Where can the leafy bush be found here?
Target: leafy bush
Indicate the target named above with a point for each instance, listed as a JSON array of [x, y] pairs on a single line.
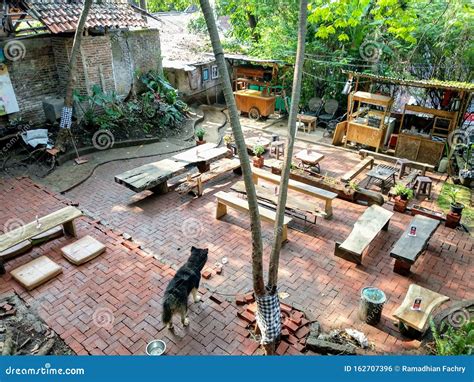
[[454, 341], [151, 113]]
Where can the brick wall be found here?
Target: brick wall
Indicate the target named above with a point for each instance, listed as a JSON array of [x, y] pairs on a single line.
[[43, 72]]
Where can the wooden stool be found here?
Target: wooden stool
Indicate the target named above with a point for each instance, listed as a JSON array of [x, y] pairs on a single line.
[[277, 148], [403, 164], [423, 183]]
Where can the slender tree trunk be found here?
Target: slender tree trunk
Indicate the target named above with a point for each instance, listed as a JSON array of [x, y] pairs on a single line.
[[76, 47], [283, 192], [255, 226]]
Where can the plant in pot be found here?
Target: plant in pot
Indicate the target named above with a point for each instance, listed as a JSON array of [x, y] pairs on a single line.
[[258, 161], [403, 195], [199, 133], [456, 207]]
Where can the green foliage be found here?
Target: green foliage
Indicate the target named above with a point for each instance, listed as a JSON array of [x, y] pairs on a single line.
[[452, 194], [168, 5], [454, 341], [199, 133], [258, 150], [404, 192], [153, 112]]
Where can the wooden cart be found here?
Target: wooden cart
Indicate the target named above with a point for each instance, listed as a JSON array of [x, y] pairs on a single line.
[[255, 103], [366, 125]]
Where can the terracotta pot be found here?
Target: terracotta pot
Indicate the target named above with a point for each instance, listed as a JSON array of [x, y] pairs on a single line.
[[199, 143], [400, 204], [258, 162], [452, 220]]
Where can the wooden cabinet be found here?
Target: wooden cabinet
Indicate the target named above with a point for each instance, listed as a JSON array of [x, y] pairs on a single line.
[[419, 149]]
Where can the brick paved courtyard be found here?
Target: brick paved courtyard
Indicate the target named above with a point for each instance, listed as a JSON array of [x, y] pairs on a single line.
[[112, 305]]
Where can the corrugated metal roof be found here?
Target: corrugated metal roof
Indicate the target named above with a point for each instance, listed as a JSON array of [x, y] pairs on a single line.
[[61, 16]]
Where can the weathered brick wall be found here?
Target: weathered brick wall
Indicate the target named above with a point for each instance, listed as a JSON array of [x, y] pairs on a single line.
[[44, 70], [34, 78]]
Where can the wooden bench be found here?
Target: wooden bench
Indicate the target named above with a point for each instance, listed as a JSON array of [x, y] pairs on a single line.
[[294, 185], [408, 248], [415, 165], [356, 170], [366, 228], [225, 200], [417, 319], [295, 206], [195, 182], [64, 217]]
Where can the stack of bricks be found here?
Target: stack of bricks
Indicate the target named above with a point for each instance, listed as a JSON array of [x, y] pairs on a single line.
[[295, 326]]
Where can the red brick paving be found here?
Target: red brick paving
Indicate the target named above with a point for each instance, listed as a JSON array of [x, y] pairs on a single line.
[[127, 283]]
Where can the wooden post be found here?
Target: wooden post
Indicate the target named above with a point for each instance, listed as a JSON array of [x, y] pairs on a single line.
[[221, 210], [70, 228]]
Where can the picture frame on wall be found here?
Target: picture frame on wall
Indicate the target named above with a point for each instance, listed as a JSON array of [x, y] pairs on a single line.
[[214, 72]]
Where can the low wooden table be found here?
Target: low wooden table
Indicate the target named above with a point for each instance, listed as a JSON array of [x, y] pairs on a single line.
[[308, 120], [408, 248], [417, 319], [253, 141], [309, 158], [382, 175]]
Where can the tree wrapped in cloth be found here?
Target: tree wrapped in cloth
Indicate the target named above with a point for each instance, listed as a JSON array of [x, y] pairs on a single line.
[[268, 305]]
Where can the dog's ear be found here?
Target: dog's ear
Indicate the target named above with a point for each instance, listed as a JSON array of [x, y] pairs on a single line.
[[193, 248], [205, 251]]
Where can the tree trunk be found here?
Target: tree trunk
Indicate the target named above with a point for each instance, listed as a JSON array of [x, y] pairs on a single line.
[[255, 226], [285, 174], [76, 46]]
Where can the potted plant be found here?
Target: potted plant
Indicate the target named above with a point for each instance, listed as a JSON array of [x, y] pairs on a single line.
[[402, 195], [456, 207], [258, 150], [199, 133]]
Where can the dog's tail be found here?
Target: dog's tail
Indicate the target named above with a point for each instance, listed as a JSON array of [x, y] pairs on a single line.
[[167, 314]]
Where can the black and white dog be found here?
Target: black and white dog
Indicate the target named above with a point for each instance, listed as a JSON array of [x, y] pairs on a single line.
[[185, 281]]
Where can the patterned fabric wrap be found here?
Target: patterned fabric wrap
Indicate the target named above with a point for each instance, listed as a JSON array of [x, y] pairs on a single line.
[[66, 118], [269, 317]]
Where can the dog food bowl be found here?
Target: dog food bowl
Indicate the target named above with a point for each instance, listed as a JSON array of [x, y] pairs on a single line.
[[156, 347]]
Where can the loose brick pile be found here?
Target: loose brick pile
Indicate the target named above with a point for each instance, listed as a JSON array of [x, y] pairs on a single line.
[[295, 326]]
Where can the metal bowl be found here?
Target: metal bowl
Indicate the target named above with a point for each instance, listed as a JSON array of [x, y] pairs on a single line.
[[156, 347]]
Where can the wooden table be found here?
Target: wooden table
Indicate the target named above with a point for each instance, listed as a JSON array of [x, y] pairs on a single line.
[[417, 319], [366, 228], [408, 248], [154, 176], [381, 175], [308, 120], [308, 159], [253, 141]]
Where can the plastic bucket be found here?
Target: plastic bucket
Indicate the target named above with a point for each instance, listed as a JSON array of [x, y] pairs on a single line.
[[371, 305]]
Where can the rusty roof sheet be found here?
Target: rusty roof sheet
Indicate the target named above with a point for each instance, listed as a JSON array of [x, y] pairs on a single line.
[[61, 16]]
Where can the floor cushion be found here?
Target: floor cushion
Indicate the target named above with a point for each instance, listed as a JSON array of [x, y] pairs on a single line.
[[36, 272], [83, 250]]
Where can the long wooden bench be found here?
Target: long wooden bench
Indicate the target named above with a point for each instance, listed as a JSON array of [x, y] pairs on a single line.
[[366, 228], [225, 200], [295, 206], [294, 185], [388, 158], [195, 182], [64, 217], [408, 248], [356, 170]]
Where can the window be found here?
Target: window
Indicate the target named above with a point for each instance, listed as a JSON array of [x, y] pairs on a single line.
[[214, 72], [205, 74]]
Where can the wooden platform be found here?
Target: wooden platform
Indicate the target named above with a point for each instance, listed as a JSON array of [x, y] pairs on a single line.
[[356, 170], [315, 192], [366, 228], [408, 248], [225, 200], [417, 319]]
